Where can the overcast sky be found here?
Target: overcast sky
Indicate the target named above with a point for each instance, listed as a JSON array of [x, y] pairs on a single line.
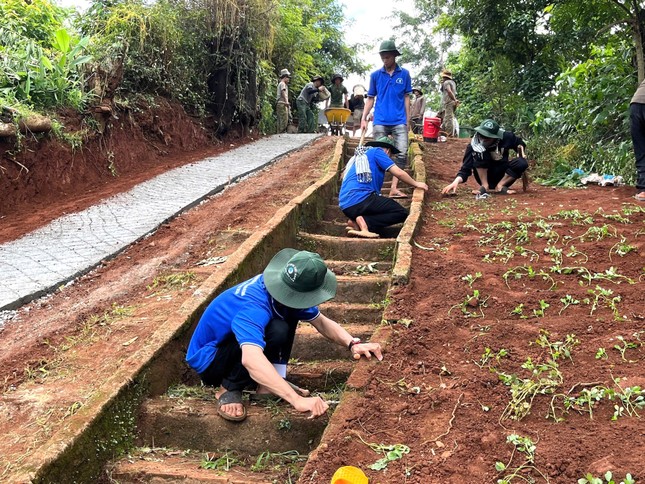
[[370, 24]]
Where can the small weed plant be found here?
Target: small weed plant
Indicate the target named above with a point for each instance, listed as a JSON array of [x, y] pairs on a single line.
[[525, 447], [472, 305], [609, 479]]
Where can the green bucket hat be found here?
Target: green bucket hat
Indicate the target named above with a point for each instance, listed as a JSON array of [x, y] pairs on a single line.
[[299, 279], [388, 46], [490, 129], [384, 142]]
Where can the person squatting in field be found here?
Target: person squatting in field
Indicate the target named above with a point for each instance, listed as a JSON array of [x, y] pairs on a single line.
[[244, 338], [487, 158]]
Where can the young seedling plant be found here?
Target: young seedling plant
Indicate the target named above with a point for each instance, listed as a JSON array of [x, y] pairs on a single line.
[[391, 452], [621, 248], [471, 306], [526, 447], [539, 313], [596, 234], [470, 279], [527, 271], [601, 295], [545, 377], [567, 301], [609, 479]]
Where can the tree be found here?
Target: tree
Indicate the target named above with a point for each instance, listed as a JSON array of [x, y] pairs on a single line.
[[582, 24]]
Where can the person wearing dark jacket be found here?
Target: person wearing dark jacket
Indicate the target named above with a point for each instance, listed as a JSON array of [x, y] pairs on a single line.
[[637, 122], [487, 159]]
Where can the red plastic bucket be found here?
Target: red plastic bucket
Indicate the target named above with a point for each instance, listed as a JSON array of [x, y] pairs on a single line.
[[431, 129]]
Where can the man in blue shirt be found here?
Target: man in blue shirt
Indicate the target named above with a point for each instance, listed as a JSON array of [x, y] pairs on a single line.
[[390, 88], [360, 193], [246, 333]]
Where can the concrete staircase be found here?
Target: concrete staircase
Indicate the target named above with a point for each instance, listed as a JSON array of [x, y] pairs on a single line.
[[182, 439]]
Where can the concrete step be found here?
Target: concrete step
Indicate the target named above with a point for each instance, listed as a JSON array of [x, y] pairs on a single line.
[[359, 267], [165, 466], [368, 289], [338, 228], [309, 344], [344, 248], [191, 423], [347, 313], [321, 375]]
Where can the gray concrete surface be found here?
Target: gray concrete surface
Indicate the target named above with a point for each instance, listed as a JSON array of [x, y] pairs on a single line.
[[53, 255]]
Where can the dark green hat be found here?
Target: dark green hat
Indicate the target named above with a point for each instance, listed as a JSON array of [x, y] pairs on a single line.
[[490, 129], [388, 46], [384, 142], [299, 279]]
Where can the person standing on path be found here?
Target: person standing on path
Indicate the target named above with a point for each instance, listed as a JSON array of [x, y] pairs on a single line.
[[283, 108], [637, 126], [487, 158], [338, 93], [312, 93], [390, 88], [416, 111], [449, 102], [360, 193], [356, 106], [246, 333]]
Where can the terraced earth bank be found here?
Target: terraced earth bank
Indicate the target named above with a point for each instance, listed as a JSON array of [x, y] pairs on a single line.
[[494, 366], [518, 352]]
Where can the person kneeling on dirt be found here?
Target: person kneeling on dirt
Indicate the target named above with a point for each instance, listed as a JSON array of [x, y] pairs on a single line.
[[245, 335], [487, 158], [360, 193]]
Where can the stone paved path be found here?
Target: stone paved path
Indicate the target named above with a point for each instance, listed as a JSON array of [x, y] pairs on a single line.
[[72, 245]]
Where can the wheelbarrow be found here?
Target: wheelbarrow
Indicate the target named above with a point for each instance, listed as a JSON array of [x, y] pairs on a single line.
[[337, 117]]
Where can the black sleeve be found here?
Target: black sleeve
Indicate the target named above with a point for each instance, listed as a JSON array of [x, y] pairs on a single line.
[[511, 141], [467, 165]]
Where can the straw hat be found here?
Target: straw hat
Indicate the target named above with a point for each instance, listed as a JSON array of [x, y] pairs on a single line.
[[446, 73], [358, 90]]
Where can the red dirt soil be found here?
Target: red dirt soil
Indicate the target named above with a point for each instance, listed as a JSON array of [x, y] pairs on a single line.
[[428, 393], [436, 393], [54, 348]]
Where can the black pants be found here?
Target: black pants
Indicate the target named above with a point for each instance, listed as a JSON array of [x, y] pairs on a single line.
[[497, 169], [227, 370], [637, 123], [378, 212]]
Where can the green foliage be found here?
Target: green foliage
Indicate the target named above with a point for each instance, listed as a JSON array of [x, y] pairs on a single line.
[[609, 479], [584, 123], [40, 61]]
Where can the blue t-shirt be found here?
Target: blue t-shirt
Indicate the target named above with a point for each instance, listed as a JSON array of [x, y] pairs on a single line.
[[352, 191], [390, 92], [244, 311]]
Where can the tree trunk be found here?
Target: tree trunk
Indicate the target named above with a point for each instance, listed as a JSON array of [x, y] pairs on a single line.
[[639, 39]]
